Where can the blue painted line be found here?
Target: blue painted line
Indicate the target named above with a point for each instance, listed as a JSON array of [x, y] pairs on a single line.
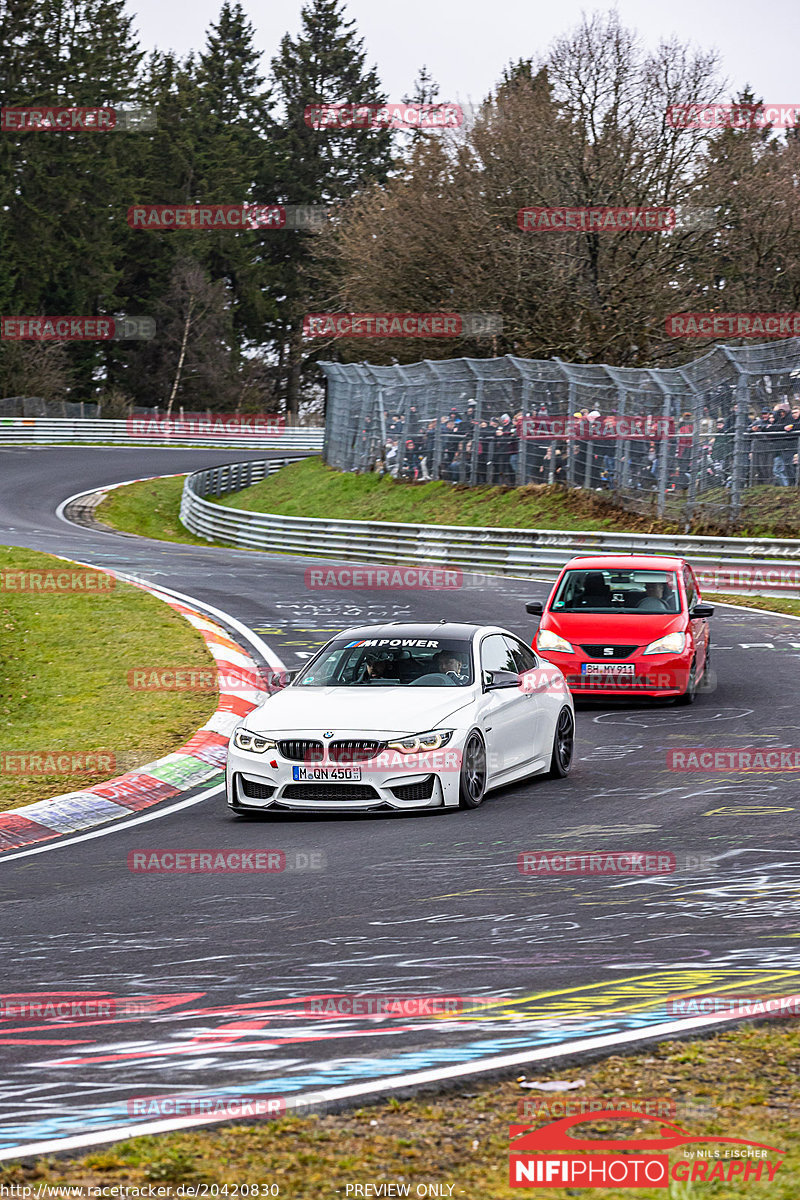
[[339, 1071]]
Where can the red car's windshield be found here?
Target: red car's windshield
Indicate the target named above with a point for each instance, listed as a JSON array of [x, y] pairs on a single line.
[[626, 590]]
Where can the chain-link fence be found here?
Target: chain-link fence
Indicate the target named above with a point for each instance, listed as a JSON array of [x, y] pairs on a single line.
[[682, 442], [36, 406]]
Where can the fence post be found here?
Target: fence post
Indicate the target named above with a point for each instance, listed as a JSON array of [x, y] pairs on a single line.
[[522, 453], [737, 464], [619, 449], [476, 434]]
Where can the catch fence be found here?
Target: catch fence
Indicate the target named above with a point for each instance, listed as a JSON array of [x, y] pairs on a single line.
[[682, 442]]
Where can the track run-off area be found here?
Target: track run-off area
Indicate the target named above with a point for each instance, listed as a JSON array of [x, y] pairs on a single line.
[[230, 968]]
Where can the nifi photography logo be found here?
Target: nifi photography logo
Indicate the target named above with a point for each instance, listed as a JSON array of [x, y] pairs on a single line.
[[556, 1156]]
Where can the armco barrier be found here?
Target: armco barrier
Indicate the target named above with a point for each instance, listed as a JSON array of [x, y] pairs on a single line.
[[53, 430], [497, 551]]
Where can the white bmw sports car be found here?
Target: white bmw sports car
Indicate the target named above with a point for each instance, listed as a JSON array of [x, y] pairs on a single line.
[[403, 717]]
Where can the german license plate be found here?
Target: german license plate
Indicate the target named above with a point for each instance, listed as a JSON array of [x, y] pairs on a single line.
[[608, 668], [326, 774]]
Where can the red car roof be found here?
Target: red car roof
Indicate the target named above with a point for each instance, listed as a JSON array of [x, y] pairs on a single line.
[[637, 562]]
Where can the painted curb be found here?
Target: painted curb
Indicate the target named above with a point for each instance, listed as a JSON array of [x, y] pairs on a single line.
[[199, 761]]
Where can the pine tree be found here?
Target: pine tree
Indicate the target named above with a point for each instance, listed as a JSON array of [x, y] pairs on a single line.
[[63, 187], [325, 65]]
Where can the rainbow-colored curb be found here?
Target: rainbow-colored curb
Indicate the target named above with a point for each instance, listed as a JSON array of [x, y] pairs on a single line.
[[198, 761]]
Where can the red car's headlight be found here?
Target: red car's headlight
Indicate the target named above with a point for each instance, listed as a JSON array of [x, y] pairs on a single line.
[[547, 640], [672, 643]]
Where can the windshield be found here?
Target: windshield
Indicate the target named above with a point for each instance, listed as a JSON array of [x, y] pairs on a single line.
[[391, 662], [617, 591]]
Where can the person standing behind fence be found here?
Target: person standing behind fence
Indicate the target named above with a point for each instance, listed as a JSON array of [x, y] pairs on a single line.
[[504, 438], [792, 428]]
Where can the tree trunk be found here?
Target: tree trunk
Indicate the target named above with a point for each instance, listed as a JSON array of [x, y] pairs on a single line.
[[176, 382], [295, 362]]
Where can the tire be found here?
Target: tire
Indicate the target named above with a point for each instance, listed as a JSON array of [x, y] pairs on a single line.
[[472, 781], [690, 695], [563, 745]]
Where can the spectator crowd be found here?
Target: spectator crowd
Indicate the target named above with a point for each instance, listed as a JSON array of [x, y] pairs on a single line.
[[458, 447]]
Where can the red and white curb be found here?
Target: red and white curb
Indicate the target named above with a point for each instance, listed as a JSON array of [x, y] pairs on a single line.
[[198, 761]]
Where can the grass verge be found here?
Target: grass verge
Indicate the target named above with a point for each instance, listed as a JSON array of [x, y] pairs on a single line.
[[64, 662], [310, 489], [782, 604], [150, 508], [744, 1083]]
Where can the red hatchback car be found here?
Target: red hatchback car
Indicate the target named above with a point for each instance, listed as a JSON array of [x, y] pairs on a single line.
[[624, 624]]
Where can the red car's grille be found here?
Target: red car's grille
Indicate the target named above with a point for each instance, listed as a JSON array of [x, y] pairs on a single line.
[[601, 651]]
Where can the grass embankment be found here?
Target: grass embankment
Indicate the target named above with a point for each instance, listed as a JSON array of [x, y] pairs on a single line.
[[310, 489], [743, 1084], [65, 657], [150, 509]]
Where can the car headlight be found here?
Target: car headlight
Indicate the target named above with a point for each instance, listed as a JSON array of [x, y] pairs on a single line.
[[434, 740], [673, 643], [547, 640], [243, 739]]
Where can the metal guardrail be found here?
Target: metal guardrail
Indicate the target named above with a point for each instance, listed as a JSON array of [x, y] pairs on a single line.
[[54, 430], [492, 550]]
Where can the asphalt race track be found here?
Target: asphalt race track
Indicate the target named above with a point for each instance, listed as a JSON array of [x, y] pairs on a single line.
[[429, 904]]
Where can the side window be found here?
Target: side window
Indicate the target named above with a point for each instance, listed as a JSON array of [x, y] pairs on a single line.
[[524, 658], [691, 590], [496, 654]]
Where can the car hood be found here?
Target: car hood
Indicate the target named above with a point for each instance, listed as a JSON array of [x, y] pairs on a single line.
[[382, 710], [618, 628]]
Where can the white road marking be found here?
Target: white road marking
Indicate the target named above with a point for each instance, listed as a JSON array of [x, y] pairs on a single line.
[[60, 843]]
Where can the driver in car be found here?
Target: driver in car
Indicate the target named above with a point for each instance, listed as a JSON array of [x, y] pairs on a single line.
[[374, 668], [448, 663], [655, 598]]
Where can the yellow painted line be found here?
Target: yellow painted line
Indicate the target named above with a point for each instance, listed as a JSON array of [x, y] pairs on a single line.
[[688, 982]]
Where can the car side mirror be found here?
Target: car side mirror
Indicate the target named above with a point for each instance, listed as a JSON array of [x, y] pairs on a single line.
[[534, 607], [701, 610], [493, 680], [279, 679]]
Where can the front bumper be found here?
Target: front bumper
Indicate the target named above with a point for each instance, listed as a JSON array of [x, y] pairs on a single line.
[[253, 785], [659, 676]]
